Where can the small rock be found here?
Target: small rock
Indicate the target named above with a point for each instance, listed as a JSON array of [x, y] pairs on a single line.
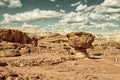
[[9, 53], [24, 50], [3, 63]]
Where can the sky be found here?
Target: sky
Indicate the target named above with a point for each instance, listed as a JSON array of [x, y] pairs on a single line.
[[101, 16]]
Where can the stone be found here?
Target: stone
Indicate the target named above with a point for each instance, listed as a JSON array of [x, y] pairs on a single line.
[[3, 63], [9, 53], [7, 74], [12, 78], [24, 50], [14, 36], [80, 39]]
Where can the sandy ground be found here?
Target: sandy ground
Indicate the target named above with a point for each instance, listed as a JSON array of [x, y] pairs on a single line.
[[78, 69]]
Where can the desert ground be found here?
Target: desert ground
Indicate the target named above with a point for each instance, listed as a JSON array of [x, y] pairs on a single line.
[[32, 54]]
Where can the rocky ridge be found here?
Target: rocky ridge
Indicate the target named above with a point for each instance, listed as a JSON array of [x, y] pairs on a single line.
[[55, 56]]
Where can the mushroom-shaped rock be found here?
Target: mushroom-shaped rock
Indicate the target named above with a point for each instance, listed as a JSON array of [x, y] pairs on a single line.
[[80, 39]]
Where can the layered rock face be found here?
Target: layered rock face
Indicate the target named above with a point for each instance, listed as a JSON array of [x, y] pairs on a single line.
[[50, 55], [71, 43], [15, 43], [36, 51], [7, 74], [106, 45], [14, 36], [80, 41]]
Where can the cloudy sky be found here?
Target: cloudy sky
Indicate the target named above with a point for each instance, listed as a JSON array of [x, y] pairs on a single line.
[[72, 15]]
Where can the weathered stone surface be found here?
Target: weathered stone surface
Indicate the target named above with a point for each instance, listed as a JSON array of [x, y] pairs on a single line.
[[7, 74], [105, 47], [56, 42], [80, 39], [24, 50], [55, 59], [14, 36], [3, 63], [9, 53], [73, 43]]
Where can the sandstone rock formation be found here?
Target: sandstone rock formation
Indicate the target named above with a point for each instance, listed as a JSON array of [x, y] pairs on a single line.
[[14, 36], [9, 53], [56, 56], [105, 45], [72, 43], [7, 74], [80, 41]]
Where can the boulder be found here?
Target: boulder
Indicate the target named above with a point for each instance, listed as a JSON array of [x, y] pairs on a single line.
[[3, 63], [80, 39], [7, 74], [24, 50], [9, 53], [14, 36]]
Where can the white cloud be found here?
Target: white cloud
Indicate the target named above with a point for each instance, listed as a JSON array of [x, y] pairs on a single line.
[[115, 17], [57, 5], [52, 0], [74, 17], [103, 11], [84, 18], [25, 25], [109, 3], [31, 15], [71, 21], [82, 26], [62, 11], [2, 4], [81, 7], [97, 17], [10, 3], [14, 4], [103, 26], [111, 10], [75, 4]]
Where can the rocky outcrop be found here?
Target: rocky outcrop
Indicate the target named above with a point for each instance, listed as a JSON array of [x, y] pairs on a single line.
[[9, 49], [80, 41], [55, 54], [7, 74], [103, 47], [24, 50], [14, 36], [9, 53], [72, 43]]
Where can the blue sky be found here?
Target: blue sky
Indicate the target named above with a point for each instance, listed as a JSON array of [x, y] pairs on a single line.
[[72, 15]]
